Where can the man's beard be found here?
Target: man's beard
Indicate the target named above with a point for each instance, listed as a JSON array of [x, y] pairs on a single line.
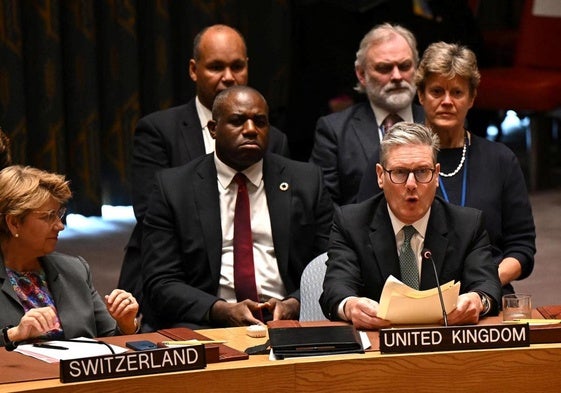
[[388, 98]]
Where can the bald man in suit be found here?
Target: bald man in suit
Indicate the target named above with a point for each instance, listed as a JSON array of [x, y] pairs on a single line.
[[178, 135]]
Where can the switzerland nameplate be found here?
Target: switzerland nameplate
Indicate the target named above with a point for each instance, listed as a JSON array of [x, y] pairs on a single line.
[[133, 363], [453, 338]]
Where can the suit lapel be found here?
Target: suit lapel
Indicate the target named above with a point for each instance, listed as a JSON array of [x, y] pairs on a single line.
[[279, 192], [191, 135], [363, 125], [55, 281], [7, 287], [207, 202], [384, 246], [382, 241], [436, 241]]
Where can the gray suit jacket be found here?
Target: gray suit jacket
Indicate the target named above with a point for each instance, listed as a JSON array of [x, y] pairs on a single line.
[[182, 242], [166, 139], [344, 141], [81, 309], [363, 252]]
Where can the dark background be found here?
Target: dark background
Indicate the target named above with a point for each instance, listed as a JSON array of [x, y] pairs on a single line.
[[76, 75]]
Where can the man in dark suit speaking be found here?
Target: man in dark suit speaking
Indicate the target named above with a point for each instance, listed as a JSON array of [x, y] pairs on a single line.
[[190, 246], [385, 235], [175, 136]]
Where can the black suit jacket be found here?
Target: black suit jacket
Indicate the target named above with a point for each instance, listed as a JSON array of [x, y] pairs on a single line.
[[182, 239], [166, 139], [363, 252], [344, 141], [495, 185]]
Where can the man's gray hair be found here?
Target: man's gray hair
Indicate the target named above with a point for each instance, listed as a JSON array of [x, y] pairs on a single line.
[[404, 133], [379, 34]]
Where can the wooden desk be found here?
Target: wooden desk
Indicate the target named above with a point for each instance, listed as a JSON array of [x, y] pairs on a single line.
[[533, 369]]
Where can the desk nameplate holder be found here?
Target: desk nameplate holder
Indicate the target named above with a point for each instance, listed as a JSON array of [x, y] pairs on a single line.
[[453, 338], [133, 363]]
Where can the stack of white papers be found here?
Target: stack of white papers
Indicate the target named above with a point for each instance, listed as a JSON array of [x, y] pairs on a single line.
[[401, 304], [73, 350]]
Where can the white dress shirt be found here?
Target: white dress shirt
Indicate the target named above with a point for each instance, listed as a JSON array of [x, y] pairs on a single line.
[[417, 244], [406, 114], [267, 276], [204, 116]]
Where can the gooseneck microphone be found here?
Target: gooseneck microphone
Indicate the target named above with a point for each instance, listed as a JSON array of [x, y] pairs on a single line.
[[427, 255]]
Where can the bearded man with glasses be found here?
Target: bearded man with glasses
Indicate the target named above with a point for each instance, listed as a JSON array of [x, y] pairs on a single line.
[[367, 238]]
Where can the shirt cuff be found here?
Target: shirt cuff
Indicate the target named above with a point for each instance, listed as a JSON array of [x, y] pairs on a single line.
[[341, 308]]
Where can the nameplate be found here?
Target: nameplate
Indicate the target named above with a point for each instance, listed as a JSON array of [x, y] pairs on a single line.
[[133, 363], [453, 338]]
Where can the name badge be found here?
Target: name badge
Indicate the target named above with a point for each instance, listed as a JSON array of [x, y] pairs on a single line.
[[453, 338], [133, 363]]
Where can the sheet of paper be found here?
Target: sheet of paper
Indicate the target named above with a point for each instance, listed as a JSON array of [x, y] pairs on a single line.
[[402, 304], [75, 350], [366, 344]]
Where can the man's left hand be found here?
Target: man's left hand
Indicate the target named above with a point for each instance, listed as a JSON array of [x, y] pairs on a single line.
[[283, 309], [467, 310]]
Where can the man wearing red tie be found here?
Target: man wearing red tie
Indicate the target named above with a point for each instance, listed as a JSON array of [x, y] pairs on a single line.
[[227, 236], [344, 141]]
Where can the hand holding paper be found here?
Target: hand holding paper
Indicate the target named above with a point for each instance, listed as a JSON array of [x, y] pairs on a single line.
[[401, 304]]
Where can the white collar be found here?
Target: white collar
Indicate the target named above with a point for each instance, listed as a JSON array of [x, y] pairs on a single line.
[[406, 114], [203, 112], [419, 225], [226, 174]]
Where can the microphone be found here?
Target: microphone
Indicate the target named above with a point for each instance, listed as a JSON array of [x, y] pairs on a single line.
[[427, 255]]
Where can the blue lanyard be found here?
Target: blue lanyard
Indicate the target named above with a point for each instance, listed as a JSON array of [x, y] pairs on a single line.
[[464, 184]]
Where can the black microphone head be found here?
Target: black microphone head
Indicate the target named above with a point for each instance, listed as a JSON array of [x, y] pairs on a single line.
[[427, 254]]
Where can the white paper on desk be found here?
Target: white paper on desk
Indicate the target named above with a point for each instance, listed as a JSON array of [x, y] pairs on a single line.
[[75, 350], [401, 304]]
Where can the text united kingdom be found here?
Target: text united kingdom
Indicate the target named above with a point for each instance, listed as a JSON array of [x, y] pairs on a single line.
[[451, 338]]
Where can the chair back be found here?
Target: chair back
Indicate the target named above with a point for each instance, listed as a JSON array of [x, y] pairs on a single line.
[[311, 287], [539, 40]]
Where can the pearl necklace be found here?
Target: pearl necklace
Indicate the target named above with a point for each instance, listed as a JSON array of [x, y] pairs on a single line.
[[460, 164]]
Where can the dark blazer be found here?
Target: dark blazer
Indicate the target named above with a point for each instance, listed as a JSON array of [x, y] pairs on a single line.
[[81, 309], [496, 186], [182, 239], [363, 252], [166, 139], [344, 141]]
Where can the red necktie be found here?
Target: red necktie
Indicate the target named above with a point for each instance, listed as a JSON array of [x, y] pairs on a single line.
[[244, 272], [389, 121]]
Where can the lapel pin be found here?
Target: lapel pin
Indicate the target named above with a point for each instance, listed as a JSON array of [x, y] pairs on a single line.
[[283, 186]]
